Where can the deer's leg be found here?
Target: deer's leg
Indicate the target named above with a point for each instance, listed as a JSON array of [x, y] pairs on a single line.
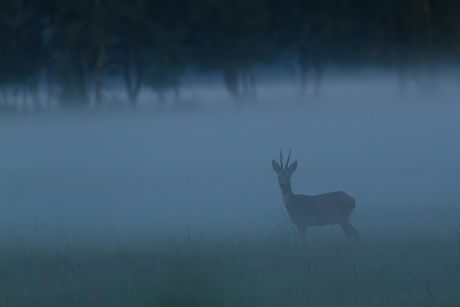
[[355, 232], [302, 233], [349, 230]]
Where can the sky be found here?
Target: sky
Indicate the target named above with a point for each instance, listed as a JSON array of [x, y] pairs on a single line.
[[119, 177]]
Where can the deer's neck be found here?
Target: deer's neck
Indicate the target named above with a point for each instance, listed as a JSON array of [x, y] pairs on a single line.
[[287, 193]]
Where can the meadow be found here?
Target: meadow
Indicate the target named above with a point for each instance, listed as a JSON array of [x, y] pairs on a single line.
[[181, 207], [412, 270]]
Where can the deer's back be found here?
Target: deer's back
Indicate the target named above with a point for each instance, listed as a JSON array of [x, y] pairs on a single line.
[[315, 210]]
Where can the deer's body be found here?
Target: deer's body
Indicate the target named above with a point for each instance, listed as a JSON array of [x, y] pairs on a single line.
[[315, 210]]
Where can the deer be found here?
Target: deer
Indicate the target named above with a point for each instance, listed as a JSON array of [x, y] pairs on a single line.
[[314, 210]]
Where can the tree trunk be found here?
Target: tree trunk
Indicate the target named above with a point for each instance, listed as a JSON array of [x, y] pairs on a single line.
[[231, 83], [133, 74], [81, 85], [248, 81], [98, 74], [318, 78], [34, 90], [4, 100], [429, 24], [303, 68], [176, 94], [252, 84], [161, 97], [73, 92], [49, 86]]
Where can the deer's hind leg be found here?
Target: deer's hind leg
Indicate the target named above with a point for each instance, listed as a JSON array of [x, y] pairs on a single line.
[[302, 234]]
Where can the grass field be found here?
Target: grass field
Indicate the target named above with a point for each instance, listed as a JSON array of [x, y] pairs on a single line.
[[80, 194], [412, 270]]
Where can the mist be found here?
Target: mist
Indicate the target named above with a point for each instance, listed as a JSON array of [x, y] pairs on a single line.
[[129, 178]]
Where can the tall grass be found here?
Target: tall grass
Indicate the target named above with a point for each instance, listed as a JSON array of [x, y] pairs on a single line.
[[412, 270]]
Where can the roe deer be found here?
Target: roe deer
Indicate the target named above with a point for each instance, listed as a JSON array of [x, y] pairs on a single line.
[[316, 210]]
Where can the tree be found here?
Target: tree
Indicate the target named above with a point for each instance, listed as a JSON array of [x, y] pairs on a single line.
[[73, 50], [232, 36], [170, 55], [22, 51]]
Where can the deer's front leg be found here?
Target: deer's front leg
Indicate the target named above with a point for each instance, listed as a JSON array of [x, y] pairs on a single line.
[[302, 234]]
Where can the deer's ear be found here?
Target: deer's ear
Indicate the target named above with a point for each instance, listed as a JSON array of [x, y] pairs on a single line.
[[276, 166], [292, 167]]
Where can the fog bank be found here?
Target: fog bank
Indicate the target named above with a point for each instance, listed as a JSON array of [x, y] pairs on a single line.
[[127, 177]]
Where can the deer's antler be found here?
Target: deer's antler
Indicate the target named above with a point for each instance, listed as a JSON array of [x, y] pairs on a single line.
[[289, 157], [281, 158]]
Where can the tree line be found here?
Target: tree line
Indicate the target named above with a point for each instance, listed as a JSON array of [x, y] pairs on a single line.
[[68, 51]]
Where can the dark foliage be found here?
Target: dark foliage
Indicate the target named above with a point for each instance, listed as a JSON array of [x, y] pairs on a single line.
[[77, 45]]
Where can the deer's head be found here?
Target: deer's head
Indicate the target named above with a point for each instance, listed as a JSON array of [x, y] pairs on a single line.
[[284, 174]]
